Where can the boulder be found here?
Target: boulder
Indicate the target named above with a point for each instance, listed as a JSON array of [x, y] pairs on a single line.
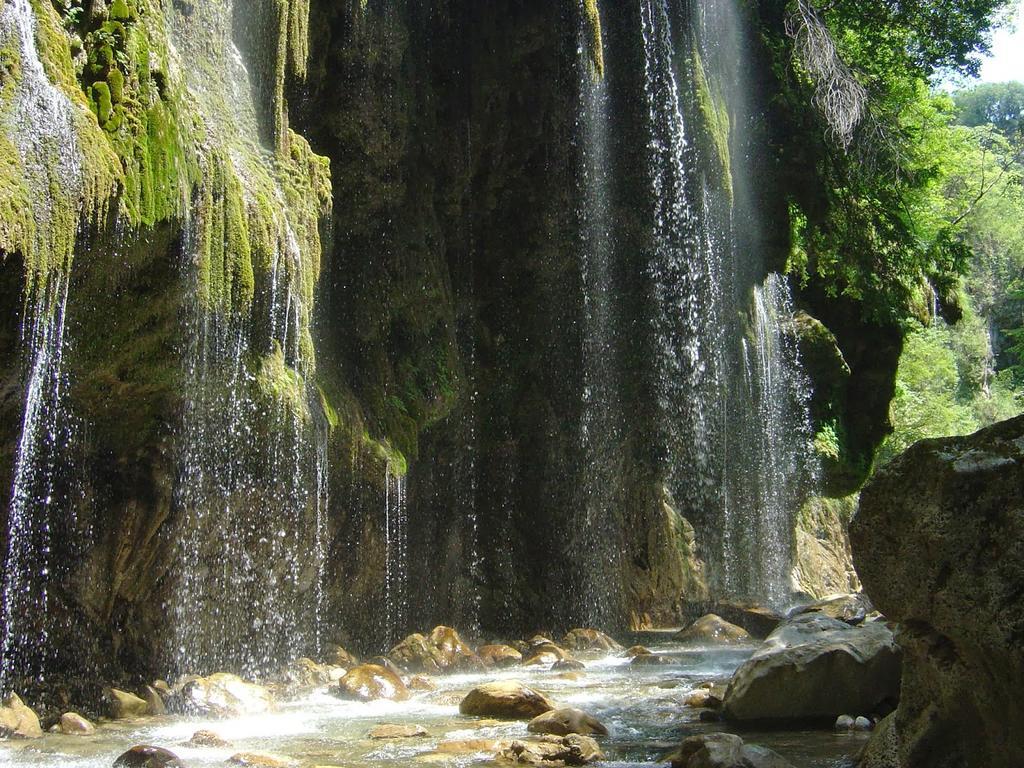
[[369, 682], [939, 544], [814, 668], [713, 629], [145, 756], [562, 722], [204, 738], [421, 683], [398, 731], [73, 723], [723, 750], [122, 705], [18, 721], [505, 700], [336, 656], [589, 640], [221, 695], [499, 655]]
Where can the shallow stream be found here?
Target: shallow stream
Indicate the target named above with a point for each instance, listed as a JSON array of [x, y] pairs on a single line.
[[642, 706]]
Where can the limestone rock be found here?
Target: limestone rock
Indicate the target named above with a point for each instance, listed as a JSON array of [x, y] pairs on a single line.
[[823, 561], [74, 723], [369, 682], [145, 756], [336, 656], [506, 700], [421, 683], [122, 705], [589, 640], [399, 731], [562, 722], [723, 750], [568, 665], [651, 660], [939, 544], [499, 655], [221, 695], [816, 668], [713, 629], [18, 721], [757, 620]]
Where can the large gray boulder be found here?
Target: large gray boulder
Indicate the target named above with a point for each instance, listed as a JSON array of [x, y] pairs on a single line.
[[815, 668], [723, 750], [939, 544]]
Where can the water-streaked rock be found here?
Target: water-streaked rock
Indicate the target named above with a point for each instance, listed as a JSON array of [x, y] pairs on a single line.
[[506, 700]]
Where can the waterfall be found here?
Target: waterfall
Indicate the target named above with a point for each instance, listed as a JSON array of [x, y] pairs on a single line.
[[253, 474], [41, 124], [396, 554], [599, 429]]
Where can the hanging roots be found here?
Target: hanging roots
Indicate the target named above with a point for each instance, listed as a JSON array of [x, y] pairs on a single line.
[[840, 98]]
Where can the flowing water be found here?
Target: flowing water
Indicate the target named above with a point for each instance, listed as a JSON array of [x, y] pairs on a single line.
[[641, 706], [396, 555]]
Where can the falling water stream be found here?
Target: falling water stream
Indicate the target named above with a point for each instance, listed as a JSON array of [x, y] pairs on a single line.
[[41, 124]]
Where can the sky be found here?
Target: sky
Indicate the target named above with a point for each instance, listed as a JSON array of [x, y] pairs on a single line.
[[1007, 59]]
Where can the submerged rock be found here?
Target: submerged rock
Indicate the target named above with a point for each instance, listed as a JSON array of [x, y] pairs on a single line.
[[723, 750], [562, 722], [122, 705], [817, 668], [145, 756], [713, 629], [939, 544], [589, 640], [568, 750], [205, 738], [398, 731], [369, 682], [651, 660], [73, 723], [221, 695], [568, 665], [499, 655], [17, 720], [505, 700]]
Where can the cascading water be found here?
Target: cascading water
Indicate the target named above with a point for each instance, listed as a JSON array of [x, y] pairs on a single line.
[[40, 119], [599, 430], [396, 554], [774, 381], [252, 486], [685, 275]]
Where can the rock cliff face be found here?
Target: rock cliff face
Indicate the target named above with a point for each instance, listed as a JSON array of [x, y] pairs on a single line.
[[335, 275], [939, 543]]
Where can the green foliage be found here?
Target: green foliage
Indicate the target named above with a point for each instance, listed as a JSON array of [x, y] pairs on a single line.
[[1000, 105]]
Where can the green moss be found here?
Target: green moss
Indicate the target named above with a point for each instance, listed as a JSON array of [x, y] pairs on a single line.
[[282, 384], [592, 15], [119, 10]]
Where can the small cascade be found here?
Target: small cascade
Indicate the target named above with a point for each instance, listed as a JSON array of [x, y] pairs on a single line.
[[599, 429], [40, 120], [787, 468], [396, 555]]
